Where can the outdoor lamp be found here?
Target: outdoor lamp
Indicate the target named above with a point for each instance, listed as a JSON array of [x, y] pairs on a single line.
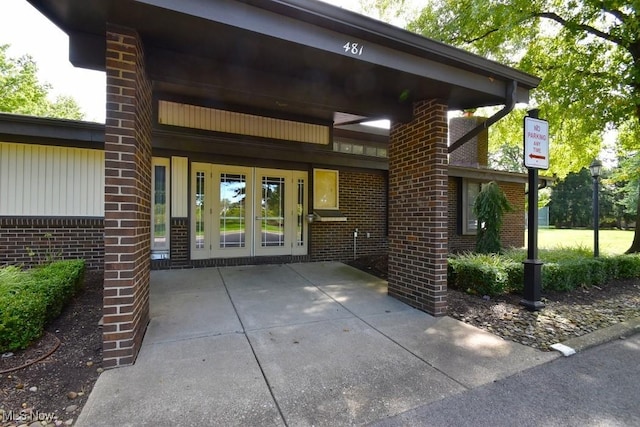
[[595, 168]]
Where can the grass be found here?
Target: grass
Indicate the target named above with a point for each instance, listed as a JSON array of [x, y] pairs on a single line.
[[612, 242]]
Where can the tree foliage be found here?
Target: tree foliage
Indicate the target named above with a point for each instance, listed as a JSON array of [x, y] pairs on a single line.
[[572, 205], [22, 93], [572, 201], [586, 51], [489, 208], [625, 187]]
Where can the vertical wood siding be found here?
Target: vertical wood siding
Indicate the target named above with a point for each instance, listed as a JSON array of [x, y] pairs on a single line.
[[179, 191], [191, 116], [38, 180]]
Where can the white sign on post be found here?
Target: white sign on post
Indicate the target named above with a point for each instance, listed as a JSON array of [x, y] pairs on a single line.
[[536, 143]]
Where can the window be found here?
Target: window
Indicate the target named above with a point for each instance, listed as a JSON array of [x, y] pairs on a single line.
[[470, 191], [361, 149], [160, 213]]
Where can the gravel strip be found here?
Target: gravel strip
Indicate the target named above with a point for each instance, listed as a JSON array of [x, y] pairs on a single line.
[[565, 316]]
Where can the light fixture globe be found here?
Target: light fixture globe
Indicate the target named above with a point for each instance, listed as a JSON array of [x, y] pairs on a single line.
[[595, 167]]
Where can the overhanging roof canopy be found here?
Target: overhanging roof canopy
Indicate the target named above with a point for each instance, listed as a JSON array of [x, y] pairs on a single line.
[[290, 57]]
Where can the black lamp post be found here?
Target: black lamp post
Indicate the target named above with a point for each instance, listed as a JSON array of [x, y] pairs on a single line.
[[595, 168]]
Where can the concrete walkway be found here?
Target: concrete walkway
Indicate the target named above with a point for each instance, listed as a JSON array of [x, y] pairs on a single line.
[[299, 344]]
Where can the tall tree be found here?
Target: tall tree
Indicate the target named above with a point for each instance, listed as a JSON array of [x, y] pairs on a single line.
[[22, 93], [586, 51], [571, 204]]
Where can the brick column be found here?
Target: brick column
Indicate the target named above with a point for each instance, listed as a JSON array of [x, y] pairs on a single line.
[[418, 209], [127, 216]]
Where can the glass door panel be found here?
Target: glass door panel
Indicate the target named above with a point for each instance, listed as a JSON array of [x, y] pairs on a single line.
[[300, 213], [200, 210], [300, 226], [232, 212], [233, 226], [272, 211]]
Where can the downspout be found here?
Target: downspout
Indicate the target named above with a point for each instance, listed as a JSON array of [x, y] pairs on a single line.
[[509, 104]]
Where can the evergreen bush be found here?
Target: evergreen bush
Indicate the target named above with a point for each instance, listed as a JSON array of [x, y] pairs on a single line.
[[489, 207]]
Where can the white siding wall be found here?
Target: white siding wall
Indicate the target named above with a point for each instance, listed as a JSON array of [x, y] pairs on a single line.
[[191, 116], [38, 180]]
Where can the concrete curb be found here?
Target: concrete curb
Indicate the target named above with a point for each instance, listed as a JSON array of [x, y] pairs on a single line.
[[601, 336]]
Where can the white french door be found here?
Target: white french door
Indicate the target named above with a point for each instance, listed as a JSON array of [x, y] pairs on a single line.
[[242, 211]]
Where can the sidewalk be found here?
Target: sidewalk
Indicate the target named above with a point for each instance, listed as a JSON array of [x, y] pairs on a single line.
[[597, 387], [299, 344]]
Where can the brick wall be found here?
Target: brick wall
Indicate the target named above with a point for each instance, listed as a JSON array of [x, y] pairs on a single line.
[[66, 238], [418, 209], [474, 152], [179, 241], [512, 233], [362, 199], [513, 227], [127, 197]]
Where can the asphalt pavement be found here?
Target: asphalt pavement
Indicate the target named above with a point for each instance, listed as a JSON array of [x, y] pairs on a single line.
[[599, 386]]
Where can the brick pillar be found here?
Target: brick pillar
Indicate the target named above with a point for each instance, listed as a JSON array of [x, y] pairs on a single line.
[[127, 220], [418, 209]]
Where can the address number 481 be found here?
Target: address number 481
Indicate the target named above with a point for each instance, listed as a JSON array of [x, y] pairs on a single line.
[[353, 48]]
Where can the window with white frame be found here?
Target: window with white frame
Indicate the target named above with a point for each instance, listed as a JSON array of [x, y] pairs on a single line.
[[160, 213], [470, 191]]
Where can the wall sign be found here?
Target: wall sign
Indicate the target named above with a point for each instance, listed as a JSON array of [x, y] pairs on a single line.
[[536, 143], [325, 189]]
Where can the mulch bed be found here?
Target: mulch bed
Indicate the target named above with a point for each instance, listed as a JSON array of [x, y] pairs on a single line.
[[566, 315]]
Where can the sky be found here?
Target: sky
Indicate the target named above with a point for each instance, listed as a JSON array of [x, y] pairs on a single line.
[[27, 31]]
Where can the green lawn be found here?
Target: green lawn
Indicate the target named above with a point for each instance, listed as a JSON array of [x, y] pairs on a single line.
[[612, 242]]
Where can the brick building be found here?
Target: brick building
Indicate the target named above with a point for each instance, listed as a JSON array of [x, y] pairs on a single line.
[[236, 132]]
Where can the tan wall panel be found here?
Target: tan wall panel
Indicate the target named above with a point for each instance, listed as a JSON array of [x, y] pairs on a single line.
[[191, 116], [38, 180], [179, 189]]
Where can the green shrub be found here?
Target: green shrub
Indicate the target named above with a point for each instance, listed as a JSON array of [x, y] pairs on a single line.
[[28, 299], [58, 282], [563, 270], [627, 266], [480, 274], [599, 272], [22, 312], [562, 254], [515, 274], [10, 275], [564, 276], [571, 272]]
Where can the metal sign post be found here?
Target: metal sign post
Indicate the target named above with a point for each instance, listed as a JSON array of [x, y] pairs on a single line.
[[536, 156]]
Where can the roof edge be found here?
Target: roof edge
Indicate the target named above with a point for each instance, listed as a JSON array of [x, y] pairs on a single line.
[[400, 38], [33, 129]]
